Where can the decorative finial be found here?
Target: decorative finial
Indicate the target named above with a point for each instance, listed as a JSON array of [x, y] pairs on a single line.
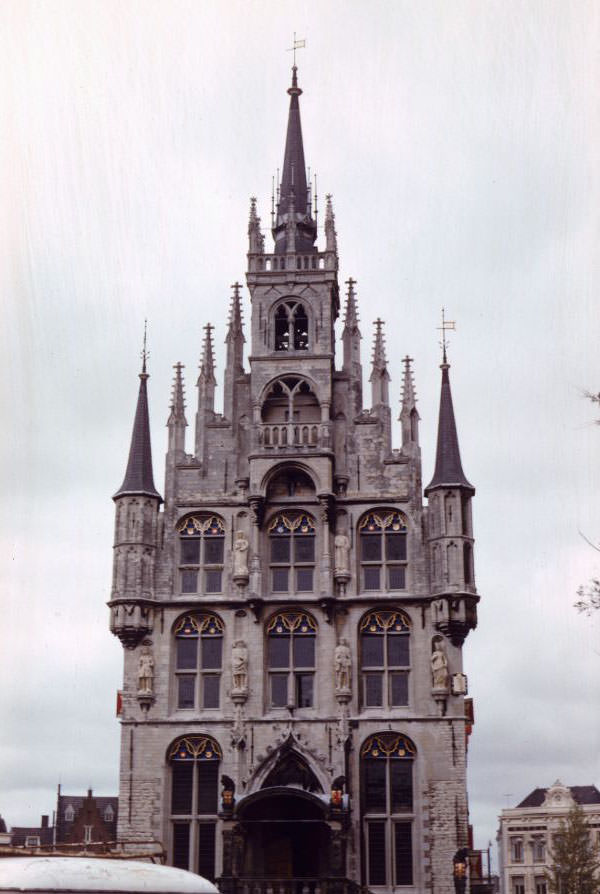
[[236, 286], [447, 326], [145, 355]]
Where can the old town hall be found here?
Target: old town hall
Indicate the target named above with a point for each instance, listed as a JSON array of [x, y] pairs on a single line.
[[292, 614]]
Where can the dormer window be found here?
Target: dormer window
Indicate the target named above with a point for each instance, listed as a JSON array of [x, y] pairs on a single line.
[[69, 813], [291, 327]]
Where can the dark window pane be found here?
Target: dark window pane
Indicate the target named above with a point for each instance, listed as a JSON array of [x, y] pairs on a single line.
[[398, 650], [377, 861], [213, 550], [372, 650], [397, 577], [398, 689], [181, 845], [373, 690], [206, 850], [190, 552], [210, 688], [187, 653], [189, 581], [304, 549], [280, 580], [213, 581], [304, 690], [370, 547], [280, 549], [185, 690], [401, 785], [181, 793], [395, 547], [279, 696], [211, 652], [304, 651], [279, 651], [208, 774], [374, 781], [304, 580], [403, 853], [371, 577]]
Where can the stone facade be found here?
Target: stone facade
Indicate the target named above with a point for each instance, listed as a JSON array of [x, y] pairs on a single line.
[[526, 831], [292, 613]]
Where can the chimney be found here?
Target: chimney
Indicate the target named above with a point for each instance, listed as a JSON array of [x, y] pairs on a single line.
[[44, 821]]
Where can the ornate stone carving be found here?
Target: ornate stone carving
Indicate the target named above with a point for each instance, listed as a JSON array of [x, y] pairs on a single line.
[[239, 668], [240, 556], [440, 677], [145, 672], [342, 555], [342, 662]]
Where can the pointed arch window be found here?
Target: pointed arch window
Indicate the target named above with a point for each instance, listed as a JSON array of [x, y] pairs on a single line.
[[194, 762], [291, 639], [385, 659], [201, 549], [292, 552], [383, 551], [291, 327], [198, 660], [387, 761]]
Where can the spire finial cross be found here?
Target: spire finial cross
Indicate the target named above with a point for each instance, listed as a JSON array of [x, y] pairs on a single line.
[[236, 286], [350, 283], [297, 45], [447, 326], [145, 354]]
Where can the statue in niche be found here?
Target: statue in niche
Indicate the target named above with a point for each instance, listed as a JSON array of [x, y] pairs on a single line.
[[342, 661], [439, 666], [145, 672], [239, 666], [240, 555], [342, 550]]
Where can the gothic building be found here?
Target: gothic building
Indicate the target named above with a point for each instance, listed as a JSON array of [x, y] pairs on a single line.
[[292, 613]]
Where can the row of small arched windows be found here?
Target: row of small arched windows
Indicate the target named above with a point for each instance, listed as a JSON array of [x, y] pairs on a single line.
[[382, 552], [290, 663]]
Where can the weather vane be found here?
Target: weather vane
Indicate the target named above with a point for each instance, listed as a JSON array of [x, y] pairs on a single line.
[[298, 45], [447, 326], [145, 353]]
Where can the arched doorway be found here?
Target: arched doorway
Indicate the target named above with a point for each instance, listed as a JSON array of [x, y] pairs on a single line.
[[286, 835]]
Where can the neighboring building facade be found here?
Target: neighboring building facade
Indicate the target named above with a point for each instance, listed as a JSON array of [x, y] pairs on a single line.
[[525, 834], [85, 819], [33, 836], [292, 614]]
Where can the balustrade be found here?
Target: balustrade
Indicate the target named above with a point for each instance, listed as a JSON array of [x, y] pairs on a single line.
[[288, 434]]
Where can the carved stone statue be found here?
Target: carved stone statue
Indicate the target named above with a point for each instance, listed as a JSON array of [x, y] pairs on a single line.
[[439, 666], [342, 550], [240, 555], [145, 672], [342, 665], [239, 666]]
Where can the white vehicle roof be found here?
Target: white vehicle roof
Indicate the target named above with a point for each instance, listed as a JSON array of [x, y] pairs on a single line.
[[83, 874]]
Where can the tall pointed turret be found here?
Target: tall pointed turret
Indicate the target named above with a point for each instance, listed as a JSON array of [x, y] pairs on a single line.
[[138, 476], [380, 376], [206, 379], [351, 339], [409, 415], [177, 422], [293, 206], [234, 365], [448, 467]]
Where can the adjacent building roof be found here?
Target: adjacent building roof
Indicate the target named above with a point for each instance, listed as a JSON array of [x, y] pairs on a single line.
[[582, 794]]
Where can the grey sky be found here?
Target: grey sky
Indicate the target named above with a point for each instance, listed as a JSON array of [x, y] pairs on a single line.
[[460, 143]]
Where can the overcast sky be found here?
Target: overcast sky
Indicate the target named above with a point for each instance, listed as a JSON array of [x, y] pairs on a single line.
[[460, 143]]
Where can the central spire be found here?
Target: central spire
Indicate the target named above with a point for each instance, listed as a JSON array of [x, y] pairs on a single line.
[[294, 202]]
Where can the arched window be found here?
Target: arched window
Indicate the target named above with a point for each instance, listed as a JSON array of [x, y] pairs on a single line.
[[385, 658], [201, 547], [194, 764], [291, 659], [291, 327], [383, 551], [387, 807], [198, 658], [292, 553]]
